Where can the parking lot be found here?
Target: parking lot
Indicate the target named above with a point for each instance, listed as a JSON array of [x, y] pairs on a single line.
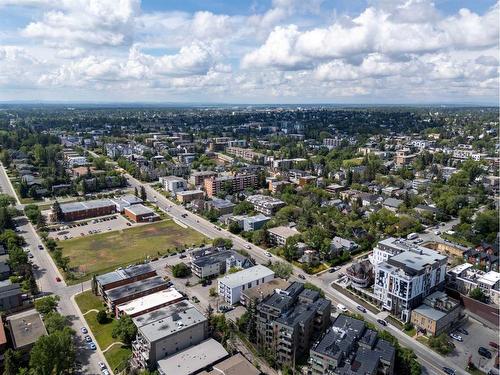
[[92, 226], [478, 335]]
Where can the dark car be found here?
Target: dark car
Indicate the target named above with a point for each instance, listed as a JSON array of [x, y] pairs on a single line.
[[302, 277], [331, 270], [484, 352], [462, 331], [494, 344], [361, 308], [449, 371], [382, 322]]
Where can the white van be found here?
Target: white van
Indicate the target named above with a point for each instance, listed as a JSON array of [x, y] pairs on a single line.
[[341, 308], [412, 236]]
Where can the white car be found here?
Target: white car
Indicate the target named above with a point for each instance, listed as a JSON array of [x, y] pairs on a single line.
[[268, 254], [248, 247], [456, 337], [437, 232], [102, 366], [341, 308]]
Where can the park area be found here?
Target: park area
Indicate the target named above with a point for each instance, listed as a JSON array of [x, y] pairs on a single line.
[[116, 354], [105, 252]]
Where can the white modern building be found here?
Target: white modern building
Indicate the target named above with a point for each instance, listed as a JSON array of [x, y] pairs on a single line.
[[405, 278], [231, 286], [173, 184], [265, 204]]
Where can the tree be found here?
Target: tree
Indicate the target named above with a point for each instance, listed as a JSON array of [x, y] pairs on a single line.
[[477, 294], [11, 362], [5, 158], [46, 304], [54, 321], [6, 200], [32, 212], [136, 192], [56, 209], [102, 317], [486, 225], [441, 343], [212, 292], [180, 270], [234, 227], [53, 354], [242, 208], [222, 242], [290, 248], [125, 330], [144, 196], [282, 270]]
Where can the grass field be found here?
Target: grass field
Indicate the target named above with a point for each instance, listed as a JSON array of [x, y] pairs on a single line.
[[117, 355], [104, 252]]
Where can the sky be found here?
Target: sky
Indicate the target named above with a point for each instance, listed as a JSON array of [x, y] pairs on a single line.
[[250, 51]]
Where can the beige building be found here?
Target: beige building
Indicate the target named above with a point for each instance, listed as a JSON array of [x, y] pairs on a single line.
[[436, 314]]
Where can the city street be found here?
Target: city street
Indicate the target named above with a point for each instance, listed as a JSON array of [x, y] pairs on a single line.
[[431, 361], [46, 275]]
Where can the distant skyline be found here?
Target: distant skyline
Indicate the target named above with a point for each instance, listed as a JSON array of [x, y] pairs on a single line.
[[250, 52]]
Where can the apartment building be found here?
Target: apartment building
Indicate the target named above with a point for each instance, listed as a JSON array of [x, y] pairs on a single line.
[[10, 295], [349, 347], [332, 143], [289, 320], [164, 332], [25, 329], [265, 204], [465, 277], [129, 292], [218, 262], [187, 196], [232, 285], [148, 303], [246, 154], [173, 184], [197, 178], [139, 213], [279, 235], [404, 157], [230, 184], [405, 279], [121, 277]]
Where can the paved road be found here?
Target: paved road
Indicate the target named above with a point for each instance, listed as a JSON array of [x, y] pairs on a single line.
[[431, 361], [46, 279]]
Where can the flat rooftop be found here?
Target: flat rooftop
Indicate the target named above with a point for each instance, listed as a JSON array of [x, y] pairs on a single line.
[[123, 274], [193, 359], [189, 192], [140, 209], [416, 261], [26, 328], [235, 365], [134, 288], [283, 231], [150, 301], [245, 276], [167, 320], [86, 205], [263, 290]]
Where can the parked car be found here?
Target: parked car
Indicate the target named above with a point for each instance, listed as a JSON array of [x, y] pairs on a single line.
[[40, 247], [105, 372], [88, 338], [455, 336], [302, 276], [449, 371], [331, 270], [361, 308], [182, 256], [58, 279], [382, 322], [268, 254], [462, 331], [102, 366], [248, 247], [84, 330], [494, 344], [484, 352], [30, 255], [92, 346]]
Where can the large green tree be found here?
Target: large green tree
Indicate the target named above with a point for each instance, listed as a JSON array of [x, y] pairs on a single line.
[[53, 354], [125, 330]]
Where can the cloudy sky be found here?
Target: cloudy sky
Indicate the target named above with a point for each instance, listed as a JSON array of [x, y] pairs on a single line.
[[250, 51]]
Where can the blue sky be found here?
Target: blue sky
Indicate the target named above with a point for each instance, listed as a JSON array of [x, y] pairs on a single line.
[[273, 51]]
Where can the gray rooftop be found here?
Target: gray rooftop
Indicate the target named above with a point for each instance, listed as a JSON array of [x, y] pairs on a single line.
[[134, 288], [194, 359], [415, 262], [140, 209], [246, 276], [26, 328], [123, 274], [430, 312], [217, 257], [86, 205], [163, 322]]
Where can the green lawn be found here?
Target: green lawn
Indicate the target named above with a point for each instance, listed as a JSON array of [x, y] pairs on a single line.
[[117, 357], [88, 301], [105, 252]]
